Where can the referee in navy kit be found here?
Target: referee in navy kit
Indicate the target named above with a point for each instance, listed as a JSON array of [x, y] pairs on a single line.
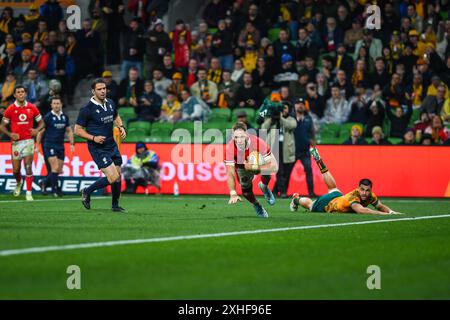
[[95, 123]]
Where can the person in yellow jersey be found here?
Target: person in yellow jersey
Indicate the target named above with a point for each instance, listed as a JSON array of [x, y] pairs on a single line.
[[356, 201]]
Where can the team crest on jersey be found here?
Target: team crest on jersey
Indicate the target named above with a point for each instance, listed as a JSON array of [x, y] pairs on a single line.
[[98, 111], [16, 153], [22, 117]]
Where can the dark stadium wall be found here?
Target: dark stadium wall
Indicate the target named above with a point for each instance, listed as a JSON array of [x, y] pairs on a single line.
[[395, 171]]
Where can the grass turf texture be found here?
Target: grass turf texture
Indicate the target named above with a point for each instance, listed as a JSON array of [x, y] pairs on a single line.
[[327, 263]]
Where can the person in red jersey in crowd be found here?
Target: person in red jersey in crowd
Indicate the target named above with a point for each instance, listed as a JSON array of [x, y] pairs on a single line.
[[20, 116], [238, 151]]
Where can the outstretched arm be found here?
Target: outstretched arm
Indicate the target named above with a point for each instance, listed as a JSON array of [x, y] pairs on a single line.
[[231, 182], [384, 208], [358, 208]]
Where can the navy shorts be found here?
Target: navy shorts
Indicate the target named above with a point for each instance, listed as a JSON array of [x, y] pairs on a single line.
[[105, 156], [54, 151]]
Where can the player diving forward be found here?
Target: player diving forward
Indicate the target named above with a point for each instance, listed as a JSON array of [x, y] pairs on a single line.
[[355, 201], [56, 127], [21, 116], [95, 123], [238, 150]]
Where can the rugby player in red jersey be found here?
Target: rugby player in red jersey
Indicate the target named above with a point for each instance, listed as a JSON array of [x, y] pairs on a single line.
[[238, 150], [20, 117]]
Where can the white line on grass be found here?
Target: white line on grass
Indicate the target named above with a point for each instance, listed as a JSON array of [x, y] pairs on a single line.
[[187, 198], [200, 236]]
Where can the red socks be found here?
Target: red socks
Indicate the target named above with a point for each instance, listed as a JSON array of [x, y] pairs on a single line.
[[29, 181]]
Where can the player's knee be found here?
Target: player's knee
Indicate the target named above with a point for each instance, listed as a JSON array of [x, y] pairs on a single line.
[[305, 202]]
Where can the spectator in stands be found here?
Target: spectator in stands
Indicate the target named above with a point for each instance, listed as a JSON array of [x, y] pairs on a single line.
[[378, 137], [181, 38], [204, 89], [283, 45], [27, 41], [316, 101], [250, 57], [434, 104], [374, 45], [52, 13], [286, 98], [356, 136], [344, 85], [62, 67], [359, 108], [249, 33], [281, 130], [256, 17], [238, 72], [380, 76], [241, 116], [227, 91], [322, 85], [332, 35], [54, 89], [8, 40], [304, 137], [40, 58], [177, 85], [18, 30], [263, 75], [248, 95], [112, 88], [439, 133], [133, 49], [168, 68], [353, 35], [215, 71], [6, 22], [343, 61], [310, 68], [62, 32], [41, 34], [376, 116], [337, 109], [7, 90], [113, 12], [286, 72], [170, 109], [36, 88], [10, 62], [190, 73], [52, 42], [360, 77], [222, 45], [25, 64], [435, 85], [399, 119], [426, 140], [161, 83], [214, 11], [422, 123], [89, 43], [130, 89], [149, 103], [445, 113], [408, 138], [32, 18], [298, 88], [193, 109], [157, 44], [305, 46]]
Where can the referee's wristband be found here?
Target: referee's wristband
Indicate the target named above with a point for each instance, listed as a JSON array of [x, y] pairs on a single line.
[[233, 193]]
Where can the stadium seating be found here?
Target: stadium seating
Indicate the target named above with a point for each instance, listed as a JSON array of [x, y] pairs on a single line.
[[273, 34], [142, 125], [219, 114]]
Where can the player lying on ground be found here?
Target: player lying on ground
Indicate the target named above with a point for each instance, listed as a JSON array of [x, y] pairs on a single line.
[[21, 116], [355, 201], [95, 123], [238, 150], [52, 138]]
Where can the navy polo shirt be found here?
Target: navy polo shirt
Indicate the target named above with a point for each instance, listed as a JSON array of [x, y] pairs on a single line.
[[98, 120], [55, 128], [304, 132]]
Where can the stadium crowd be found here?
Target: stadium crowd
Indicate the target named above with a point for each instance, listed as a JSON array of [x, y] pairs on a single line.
[[314, 57]]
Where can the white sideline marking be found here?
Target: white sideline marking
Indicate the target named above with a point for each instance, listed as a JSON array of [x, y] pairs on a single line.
[[200, 236], [189, 197]]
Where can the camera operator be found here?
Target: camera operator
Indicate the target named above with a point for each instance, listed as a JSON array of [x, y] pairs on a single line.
[[279, 119]]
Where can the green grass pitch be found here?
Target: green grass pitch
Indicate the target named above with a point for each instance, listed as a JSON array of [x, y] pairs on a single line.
[[318, 263]]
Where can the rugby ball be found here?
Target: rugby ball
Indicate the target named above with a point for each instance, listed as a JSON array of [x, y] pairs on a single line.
[[255, 158]]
